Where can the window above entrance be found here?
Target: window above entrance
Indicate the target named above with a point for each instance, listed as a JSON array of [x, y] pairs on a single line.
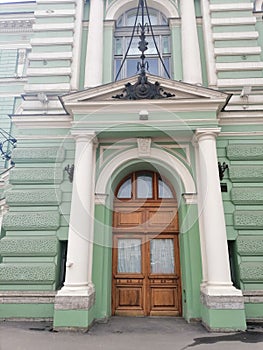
[[122, 43], [144, 185]]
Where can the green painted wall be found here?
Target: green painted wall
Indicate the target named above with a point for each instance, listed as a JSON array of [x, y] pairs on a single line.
[[243, 205]]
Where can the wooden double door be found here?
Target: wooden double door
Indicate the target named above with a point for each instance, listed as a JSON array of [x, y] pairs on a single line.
[[146, 265]]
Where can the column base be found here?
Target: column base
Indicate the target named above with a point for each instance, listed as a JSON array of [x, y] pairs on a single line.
[[74, 309], [223, 309]]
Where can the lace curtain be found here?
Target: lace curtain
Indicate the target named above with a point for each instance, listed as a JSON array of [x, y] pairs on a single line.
[[129, 255], [162, 256]]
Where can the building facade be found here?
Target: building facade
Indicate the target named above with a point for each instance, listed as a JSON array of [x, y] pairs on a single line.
[[114, 203]]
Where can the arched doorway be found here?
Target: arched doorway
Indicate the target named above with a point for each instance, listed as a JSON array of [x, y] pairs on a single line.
[[145, 260]]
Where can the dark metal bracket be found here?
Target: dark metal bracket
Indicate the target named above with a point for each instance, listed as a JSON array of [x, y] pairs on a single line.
[[70, 171], [221, 170]]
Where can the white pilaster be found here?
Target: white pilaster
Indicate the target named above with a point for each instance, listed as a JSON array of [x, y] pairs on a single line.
[[80, 239], [192, 72], [213, 220], [94, 54], [209, 45], [77, 45]]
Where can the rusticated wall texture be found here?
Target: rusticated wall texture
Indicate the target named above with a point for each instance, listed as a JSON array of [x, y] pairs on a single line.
[[245, 160]]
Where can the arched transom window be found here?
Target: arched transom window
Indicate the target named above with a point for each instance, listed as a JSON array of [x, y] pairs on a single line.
[[122, 38], [144, 185]]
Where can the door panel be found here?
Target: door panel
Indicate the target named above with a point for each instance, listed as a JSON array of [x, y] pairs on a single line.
[[146, 268], [146, 275]]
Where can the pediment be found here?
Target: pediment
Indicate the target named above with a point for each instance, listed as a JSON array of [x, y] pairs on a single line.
[[181, 92]]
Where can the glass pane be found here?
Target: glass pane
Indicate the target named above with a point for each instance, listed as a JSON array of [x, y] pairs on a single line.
[[117, 67], [144, 186], [131, 67], [167, 66], [131, 19], [125, 191], [165, 44], [162, 256], [120, 21], [164, 190], [134, 46], [164, 20], [135, 43], [153, 66], [129, 255], [118, 46]]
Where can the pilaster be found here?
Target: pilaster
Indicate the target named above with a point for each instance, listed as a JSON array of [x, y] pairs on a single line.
[[94, 54], [78, 293], [192, 72], [218, 295]]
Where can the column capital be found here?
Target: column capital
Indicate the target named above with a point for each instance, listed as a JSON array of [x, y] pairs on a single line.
[[84, 135], [206, 133]]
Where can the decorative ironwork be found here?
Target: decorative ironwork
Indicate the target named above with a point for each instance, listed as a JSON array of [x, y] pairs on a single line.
[[70, 170], [143, 89], [9, 141], [221, 170]]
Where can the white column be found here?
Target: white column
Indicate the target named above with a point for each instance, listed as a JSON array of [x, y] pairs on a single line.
[[80, 239], [94, 54], [213, 219], [77, 45], [200, 220], [192, 72], [209, 45]]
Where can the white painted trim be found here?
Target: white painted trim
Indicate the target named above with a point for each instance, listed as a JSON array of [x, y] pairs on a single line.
[[52, 41], [190, 198], [236, 36], [54, 13], [120, 6], [237, 50], [53, 27], [63, 87], [233, 21], [48, 71], [239, 66], [59, 1], [47, 121], [50, 56], [156, 154], [240, 82], [231, 7], [17, 45], [240, 134]]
